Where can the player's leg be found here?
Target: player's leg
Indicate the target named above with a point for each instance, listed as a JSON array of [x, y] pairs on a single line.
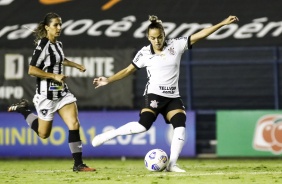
[[147, 117], [41, 127], [177, 117], [69, 115]]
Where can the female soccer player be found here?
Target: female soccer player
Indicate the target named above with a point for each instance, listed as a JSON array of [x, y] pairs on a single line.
[[162, 60], [52, 93]]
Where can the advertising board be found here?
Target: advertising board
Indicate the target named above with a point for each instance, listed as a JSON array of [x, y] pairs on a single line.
[[18, 140], [254, 133]]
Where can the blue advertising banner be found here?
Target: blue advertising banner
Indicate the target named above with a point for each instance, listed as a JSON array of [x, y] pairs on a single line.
[[18, 140]]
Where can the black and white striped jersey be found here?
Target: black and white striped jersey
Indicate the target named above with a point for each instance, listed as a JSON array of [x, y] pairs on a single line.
[[163, 69], [49, 57]]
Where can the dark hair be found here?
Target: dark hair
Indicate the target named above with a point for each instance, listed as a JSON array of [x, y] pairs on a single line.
[[155, 24], [40, 32]]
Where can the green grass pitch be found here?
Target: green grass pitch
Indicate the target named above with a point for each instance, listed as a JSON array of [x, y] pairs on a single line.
[[132, 171]]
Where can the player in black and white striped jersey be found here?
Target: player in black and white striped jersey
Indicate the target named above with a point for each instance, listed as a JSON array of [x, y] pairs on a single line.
[[49, 57], [52, 94], [161, 96]]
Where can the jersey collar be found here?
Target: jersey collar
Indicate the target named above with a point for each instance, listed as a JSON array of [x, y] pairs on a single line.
[[152, 50]]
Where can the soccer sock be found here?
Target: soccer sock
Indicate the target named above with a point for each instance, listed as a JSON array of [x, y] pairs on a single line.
[[25, 112], [130, 128], [75, 146], [178, 140], [127, 129], [31, 119]]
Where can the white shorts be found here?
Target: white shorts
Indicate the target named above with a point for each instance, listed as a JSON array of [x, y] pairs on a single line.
[[46, 108]]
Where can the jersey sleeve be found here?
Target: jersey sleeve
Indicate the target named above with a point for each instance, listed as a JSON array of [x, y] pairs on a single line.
[[183, 43], [138, 60], [39, 53]]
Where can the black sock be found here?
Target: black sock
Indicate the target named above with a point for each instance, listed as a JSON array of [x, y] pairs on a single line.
[[77, 157], [75, 146], [34, 126], [31, 119]]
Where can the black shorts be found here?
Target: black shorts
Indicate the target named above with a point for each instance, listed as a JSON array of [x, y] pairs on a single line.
[[162, 105]]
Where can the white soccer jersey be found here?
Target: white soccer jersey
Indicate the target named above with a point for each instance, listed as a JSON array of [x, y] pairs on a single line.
[[163, 69], [48, 57]]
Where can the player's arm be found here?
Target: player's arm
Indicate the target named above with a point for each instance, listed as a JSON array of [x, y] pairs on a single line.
[[207, 31], [37, 72], [101, 81], [69, 63]]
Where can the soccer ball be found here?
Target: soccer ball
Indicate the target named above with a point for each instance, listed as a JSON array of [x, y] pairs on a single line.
[[156, 160]]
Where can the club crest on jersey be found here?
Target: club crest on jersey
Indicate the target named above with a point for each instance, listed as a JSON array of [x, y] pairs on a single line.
[[154, 104], [171, 51], [44, 112]]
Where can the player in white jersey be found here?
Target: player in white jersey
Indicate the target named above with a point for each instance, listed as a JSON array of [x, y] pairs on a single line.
[[162, 60], [52, 94]]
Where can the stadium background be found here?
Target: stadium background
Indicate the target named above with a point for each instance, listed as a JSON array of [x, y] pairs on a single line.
[[235, 69]]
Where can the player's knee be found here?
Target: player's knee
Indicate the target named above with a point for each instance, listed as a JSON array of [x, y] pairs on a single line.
[[147, 119], [74, 125], [178, 120], [43, 135]]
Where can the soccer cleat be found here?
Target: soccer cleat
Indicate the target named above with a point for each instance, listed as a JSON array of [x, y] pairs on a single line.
[[19, 107], [101, 138], [83, 168], [174, 168]]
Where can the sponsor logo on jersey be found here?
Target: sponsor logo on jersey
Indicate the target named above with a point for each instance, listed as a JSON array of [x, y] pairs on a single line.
[[167, 89]]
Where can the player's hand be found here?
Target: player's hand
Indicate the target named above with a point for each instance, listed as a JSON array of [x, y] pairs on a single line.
[[81, 68], [100, 81], [230, 20], [60, 78]]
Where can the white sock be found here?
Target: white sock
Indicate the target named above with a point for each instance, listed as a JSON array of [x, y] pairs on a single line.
[[133, 127], [177, 142], [127, 129], [30, 118]]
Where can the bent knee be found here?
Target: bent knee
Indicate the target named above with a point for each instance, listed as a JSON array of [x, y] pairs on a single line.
[[146, 119], [44, 136], [178, 120]]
